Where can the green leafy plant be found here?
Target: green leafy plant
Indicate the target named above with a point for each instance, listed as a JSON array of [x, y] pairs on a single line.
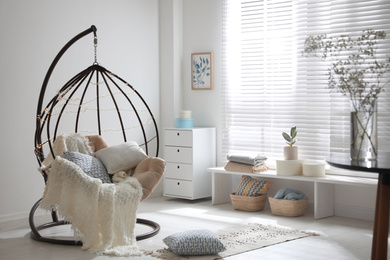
[[200, 71], [291, 139], [354, 68]]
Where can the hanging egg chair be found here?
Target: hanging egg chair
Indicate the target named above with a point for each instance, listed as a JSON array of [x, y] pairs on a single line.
[[93, 102]]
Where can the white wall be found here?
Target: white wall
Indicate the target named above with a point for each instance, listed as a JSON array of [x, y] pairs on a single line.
[[170, 60], [188, 27], [202, 23], [32, 33]]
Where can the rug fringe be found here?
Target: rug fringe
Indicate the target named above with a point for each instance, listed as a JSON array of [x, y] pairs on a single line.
[[163, 254], [311, 233]]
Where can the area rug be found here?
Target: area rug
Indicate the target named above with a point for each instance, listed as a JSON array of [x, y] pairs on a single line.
[[242, 239]]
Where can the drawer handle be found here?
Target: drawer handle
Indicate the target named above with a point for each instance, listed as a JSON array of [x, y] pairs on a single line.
[[178, 183], [178, 134], [178, 150], [178, 166]]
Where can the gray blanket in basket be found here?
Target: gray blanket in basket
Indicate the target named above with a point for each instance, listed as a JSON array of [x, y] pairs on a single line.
[[290, 194]]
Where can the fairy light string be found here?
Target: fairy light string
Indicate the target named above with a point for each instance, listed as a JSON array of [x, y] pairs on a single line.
[[75, 103], [91, 132]]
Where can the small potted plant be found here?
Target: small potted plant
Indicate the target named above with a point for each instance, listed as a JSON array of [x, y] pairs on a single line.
[[290, 151]]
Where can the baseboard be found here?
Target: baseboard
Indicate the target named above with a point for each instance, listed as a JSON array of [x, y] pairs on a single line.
[[8, 217], [22, 215], [354, 212], [156, 194]]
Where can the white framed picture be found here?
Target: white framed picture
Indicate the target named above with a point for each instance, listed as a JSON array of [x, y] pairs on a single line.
[[202, 71]]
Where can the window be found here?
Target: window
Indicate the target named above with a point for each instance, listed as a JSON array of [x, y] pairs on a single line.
[[269, 86]]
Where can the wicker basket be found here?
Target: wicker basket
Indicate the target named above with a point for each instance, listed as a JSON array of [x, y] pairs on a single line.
[[246, 203], [288, 208]]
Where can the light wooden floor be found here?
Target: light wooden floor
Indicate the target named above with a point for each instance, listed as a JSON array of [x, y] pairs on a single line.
[[340, 238]]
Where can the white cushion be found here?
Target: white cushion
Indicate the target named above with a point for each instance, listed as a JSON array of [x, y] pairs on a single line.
[[121, 157]]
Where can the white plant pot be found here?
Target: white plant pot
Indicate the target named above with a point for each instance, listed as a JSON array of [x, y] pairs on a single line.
[[289, 167], [313, 169], [290, 152]]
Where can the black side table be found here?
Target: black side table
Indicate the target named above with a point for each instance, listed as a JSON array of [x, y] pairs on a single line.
[[381, 222]]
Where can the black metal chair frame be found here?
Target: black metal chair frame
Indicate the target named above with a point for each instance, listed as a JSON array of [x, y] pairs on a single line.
[[43, 122]]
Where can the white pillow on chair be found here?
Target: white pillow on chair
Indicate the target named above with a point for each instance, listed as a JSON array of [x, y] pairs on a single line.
[[121, 157]]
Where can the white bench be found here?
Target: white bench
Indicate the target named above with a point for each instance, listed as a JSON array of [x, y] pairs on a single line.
[[323, 187]]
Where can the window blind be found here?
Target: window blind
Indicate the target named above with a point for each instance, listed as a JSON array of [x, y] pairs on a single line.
[[269, 86]]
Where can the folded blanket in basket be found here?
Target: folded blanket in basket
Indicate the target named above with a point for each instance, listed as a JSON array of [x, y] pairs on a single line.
[[290, 194], [241, 167], [251, 160]]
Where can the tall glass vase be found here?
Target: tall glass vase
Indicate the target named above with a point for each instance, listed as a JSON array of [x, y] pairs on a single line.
[[364, 132]]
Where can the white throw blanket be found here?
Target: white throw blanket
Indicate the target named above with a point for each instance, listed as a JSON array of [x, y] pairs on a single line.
[[72, 142], [103, 215]]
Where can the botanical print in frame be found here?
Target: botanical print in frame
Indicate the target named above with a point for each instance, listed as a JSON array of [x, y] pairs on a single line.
[[202, 71]]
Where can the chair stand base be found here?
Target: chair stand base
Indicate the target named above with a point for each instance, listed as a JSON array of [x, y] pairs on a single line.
[[35, 235]]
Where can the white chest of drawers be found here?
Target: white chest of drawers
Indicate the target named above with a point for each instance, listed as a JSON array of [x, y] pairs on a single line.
[[188, 153]]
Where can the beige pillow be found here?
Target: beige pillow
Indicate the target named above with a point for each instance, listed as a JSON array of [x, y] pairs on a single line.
[[96, 142], [121, 157], [149, 173]]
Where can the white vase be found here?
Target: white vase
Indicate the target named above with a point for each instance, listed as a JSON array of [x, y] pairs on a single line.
[[290, 152]]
